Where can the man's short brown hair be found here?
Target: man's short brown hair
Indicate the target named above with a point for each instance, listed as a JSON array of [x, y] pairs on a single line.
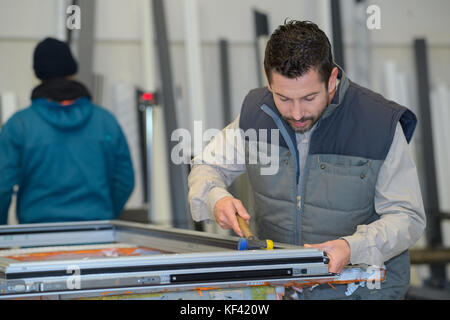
[[295, 48]]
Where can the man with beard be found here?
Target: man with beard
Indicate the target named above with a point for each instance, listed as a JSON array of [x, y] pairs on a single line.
[[346, 182], [68, 157]]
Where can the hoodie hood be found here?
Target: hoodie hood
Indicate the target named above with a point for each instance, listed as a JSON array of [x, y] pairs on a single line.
[[63, 117], [59, 89]]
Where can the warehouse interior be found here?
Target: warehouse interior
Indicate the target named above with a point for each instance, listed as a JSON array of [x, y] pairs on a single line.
[[163, 65]]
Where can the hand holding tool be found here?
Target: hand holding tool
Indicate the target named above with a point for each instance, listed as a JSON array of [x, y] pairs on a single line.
[[251, 242]]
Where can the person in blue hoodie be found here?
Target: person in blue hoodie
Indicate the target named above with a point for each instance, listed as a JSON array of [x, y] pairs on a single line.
[[68, 156]]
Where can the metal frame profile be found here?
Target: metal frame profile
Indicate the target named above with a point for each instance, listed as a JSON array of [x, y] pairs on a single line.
[[225, 81], [261, 36], [338, 45], [433, 230], [177, 173], [187, 259]]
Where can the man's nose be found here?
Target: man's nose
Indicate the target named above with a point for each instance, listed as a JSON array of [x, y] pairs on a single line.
[[297, 112]]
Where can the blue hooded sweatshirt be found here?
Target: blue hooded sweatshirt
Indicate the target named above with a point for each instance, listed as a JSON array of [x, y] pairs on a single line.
[[71, 163]]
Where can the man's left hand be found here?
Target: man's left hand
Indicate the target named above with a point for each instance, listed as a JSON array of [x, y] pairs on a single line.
[[337, 250]]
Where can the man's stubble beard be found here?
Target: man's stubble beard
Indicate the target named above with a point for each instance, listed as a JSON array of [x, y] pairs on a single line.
[[314, 120]]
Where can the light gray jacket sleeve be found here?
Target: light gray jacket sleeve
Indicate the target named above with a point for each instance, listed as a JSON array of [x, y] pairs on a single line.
[[212, 171], [398, 201]]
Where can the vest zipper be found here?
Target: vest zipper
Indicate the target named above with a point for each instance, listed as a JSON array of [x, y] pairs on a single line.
[[300, 197]]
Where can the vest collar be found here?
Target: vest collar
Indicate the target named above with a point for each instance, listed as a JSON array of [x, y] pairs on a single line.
[[340, 93]]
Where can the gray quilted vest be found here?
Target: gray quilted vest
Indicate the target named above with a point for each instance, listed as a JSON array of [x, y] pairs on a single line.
[[336, 194]]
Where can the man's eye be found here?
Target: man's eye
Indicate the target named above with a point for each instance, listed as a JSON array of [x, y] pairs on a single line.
[[284, 99], [310, 99]]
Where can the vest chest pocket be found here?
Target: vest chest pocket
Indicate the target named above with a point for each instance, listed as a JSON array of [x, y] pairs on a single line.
[[342, 183]]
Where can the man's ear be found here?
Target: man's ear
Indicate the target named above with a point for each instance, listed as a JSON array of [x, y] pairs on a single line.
[[332, 80]]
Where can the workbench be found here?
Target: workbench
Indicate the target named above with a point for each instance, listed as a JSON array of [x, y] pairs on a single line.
[[126, 260]]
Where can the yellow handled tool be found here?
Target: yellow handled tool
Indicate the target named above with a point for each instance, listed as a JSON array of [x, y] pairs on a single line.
[[250, 241]]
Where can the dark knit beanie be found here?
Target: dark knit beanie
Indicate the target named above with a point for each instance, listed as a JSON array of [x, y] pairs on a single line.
[[52, 59]]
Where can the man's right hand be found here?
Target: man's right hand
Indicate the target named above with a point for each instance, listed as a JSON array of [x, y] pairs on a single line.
[[225, 213]]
